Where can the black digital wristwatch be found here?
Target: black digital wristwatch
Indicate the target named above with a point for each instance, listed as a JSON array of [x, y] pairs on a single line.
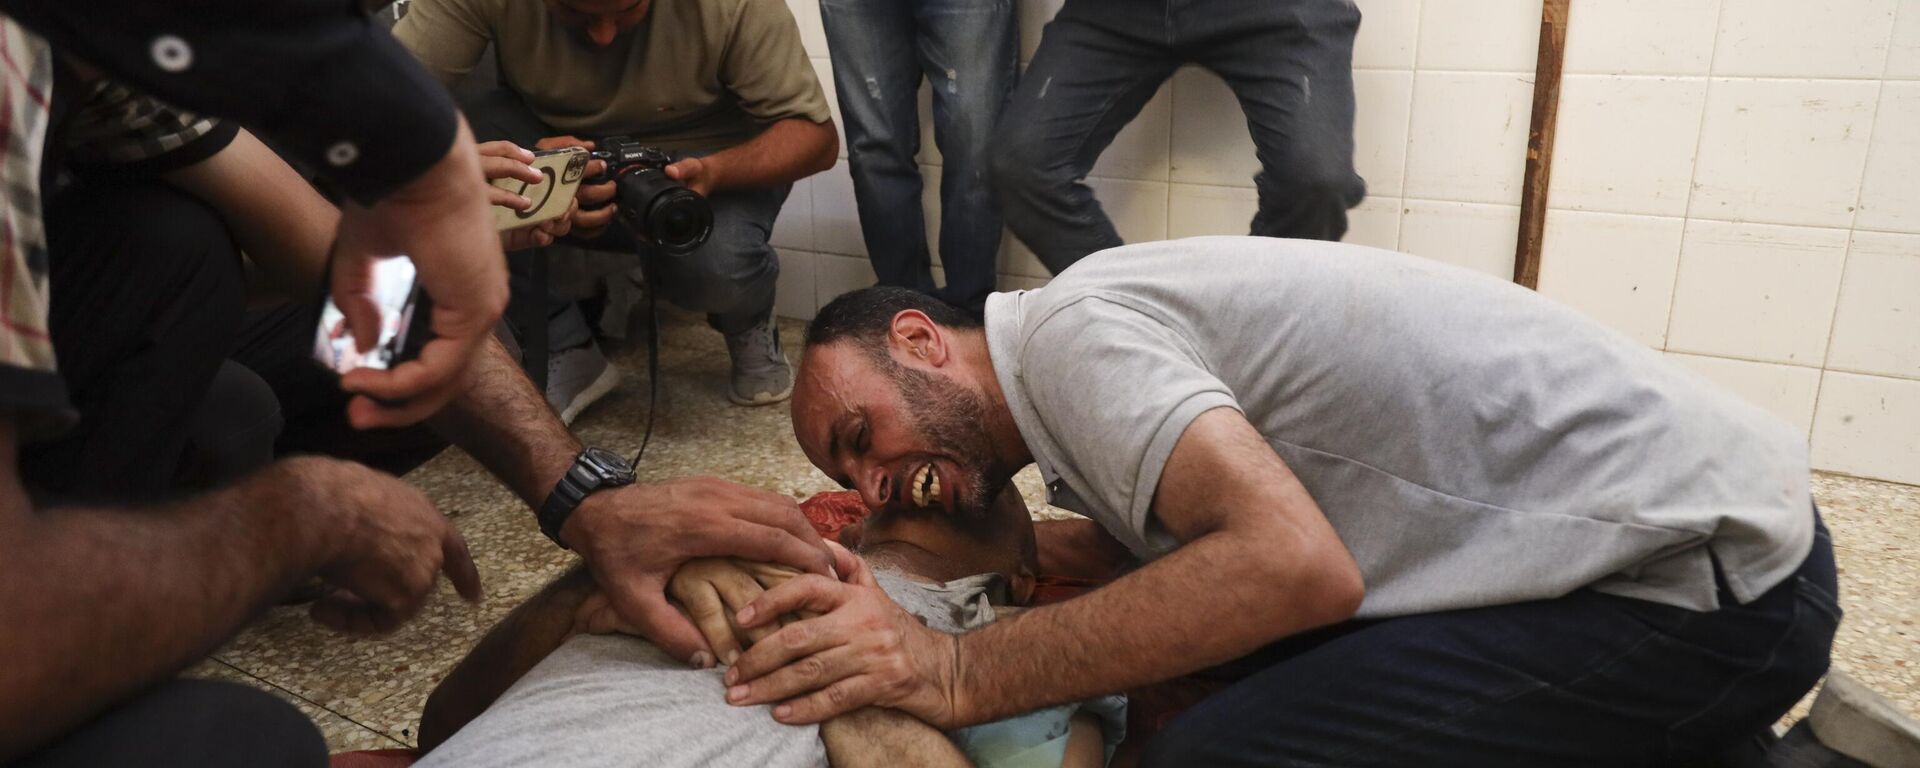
[[592, 470]]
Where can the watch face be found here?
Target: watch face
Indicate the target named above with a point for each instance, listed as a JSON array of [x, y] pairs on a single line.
[[611, 465]]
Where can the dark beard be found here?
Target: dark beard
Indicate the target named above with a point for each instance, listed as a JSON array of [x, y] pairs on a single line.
[[953, 418]]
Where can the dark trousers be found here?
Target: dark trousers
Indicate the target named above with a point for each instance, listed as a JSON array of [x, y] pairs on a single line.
[[969, 51], [191, 724], [147, 297], [1584, 680], [731, 278], [1290, 63]]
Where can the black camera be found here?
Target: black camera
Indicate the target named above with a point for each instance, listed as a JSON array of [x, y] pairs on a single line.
[[658, 209]]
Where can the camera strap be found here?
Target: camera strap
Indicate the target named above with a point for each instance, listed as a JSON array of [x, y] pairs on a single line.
[[648, 272]]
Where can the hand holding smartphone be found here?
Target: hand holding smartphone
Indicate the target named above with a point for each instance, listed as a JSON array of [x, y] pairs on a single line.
[[404, 310], [562, 170]]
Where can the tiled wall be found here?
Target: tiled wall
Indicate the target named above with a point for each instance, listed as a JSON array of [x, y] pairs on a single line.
[[1736, 182]]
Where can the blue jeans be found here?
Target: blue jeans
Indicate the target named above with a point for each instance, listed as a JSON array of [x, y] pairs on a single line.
[[1289, 62], [968, 50], [1585, 679]]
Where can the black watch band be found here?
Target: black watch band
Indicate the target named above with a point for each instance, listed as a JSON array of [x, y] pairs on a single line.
[[592, 470]]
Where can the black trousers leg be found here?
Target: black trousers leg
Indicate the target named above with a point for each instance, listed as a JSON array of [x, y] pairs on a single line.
[[197, 723], [147, 292]]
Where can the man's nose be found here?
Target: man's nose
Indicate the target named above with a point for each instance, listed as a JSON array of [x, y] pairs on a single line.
[[877, 488], [602, 31]]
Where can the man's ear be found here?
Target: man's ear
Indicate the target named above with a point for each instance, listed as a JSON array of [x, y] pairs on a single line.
[[915, 338], [1020, 586]]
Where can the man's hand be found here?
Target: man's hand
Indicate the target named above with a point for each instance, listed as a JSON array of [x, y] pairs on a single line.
[[506, 160], [595, 201], [387, 546], [635, 537], [864, 650], [700, 174], [712, 589], [442, 221]]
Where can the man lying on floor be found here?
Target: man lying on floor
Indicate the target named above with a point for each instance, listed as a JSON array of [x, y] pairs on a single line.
[[557, 682]]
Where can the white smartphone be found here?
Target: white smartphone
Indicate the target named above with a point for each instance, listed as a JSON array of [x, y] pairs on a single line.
[[562, 169], [401, 302]]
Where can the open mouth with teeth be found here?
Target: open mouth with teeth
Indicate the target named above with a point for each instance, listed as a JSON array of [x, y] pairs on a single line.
[[925, 487]]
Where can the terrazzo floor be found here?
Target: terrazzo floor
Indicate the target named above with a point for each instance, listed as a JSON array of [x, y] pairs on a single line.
[[367, 694]]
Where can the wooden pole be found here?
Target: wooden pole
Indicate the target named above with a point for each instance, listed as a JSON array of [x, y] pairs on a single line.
[[1546, 114]]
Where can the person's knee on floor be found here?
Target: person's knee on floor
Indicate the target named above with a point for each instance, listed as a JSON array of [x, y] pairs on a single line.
[[234, 429], [138, 339], [200, 723]]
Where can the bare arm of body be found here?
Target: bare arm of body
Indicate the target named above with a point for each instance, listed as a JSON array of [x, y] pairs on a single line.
[[120, 597]]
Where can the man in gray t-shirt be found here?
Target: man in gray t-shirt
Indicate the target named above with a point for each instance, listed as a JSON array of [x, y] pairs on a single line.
[[1525, 536]]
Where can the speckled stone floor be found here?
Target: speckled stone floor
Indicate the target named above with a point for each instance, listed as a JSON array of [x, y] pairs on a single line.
[[367, 694]]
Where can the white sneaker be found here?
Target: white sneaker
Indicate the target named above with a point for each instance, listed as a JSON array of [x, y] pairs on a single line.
[[761, 374], [578, 377]]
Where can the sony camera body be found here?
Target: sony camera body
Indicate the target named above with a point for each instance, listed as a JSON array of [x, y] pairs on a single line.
[[658, 209]]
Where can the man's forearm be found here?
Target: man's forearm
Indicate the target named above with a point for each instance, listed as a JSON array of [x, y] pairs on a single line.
[[506, 425], [521, 640], [787, 151], [277, 218], [1140, 629], [100, 602]]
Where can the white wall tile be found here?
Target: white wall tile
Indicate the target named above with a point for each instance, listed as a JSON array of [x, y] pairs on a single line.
[[1625, 144], [1877, 329], [1484, 35], [1868, 425], [813, 34], [1388, 31], [1375, 222], [1017, 259], [930, 208], [1469, 136], [1756, 291], [1641, 37], [1034, 15], [929, 153], [823, 69], [1783, 151], [1786, 391], [1018, 283], [1903, 56], [1138, 208], [1211, 144], [793, 228], [1139, 151], [1471, 235], [1890, 194], [794, 295], [836, 218], [1194, 210], [835, 275], [1797, 38], [1618, 269], [1382, 100]]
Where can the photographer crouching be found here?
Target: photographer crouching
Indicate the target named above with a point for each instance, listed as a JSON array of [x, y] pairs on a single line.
[[722, 87]]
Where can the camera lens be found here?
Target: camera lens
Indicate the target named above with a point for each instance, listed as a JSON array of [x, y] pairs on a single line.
[[679, 220], [663, 211]]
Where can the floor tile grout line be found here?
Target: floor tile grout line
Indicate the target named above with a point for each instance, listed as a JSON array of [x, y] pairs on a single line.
[[316, 705]]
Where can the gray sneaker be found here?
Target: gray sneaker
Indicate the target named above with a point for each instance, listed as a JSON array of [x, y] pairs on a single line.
[[578, 377], [761, 375]]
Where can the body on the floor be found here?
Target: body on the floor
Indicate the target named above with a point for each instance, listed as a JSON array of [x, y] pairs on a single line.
[[555, 683]]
